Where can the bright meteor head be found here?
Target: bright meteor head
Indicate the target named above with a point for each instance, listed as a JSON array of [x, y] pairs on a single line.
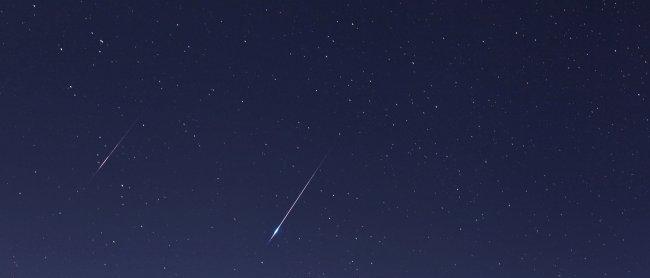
[[275, 232]]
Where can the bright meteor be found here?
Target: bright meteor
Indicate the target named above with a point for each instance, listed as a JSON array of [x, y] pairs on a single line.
[[101, 165], [277, 229]]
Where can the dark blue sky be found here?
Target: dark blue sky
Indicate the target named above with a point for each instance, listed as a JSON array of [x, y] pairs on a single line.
[[469, 139]]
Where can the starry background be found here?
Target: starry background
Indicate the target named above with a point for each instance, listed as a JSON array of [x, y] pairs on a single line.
[[469, 139]]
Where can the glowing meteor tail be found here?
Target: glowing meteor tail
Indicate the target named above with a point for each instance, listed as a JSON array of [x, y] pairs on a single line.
[[275, 232]]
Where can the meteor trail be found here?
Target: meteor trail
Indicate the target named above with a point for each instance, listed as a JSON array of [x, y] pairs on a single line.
[[277, 229], [114, 148]]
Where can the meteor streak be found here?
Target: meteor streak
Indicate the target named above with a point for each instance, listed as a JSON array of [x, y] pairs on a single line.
[[101, 165], [277, 229]]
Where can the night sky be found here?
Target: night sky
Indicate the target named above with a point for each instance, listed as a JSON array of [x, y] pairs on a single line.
[[468, 139]]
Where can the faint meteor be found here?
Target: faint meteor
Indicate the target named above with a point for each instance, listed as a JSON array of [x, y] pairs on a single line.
[[101, 165], [277, 229]]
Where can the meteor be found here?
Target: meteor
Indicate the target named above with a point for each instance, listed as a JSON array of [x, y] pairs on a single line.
[[101, 165], [277, 229]]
